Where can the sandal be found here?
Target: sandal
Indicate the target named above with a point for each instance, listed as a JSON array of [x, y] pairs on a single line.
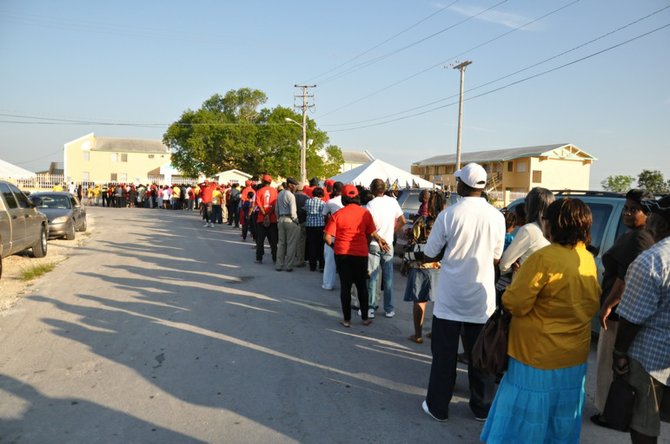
[[429, 335], [367, 322], [345, 324], [418, 340]]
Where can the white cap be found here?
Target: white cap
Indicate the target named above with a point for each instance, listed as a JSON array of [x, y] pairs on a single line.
[[473, 175]]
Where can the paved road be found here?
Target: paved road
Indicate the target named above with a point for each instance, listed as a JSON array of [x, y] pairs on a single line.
[[159, 330]]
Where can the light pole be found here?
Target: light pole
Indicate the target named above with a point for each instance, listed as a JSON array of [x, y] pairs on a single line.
[[303, 147], [461, 67]]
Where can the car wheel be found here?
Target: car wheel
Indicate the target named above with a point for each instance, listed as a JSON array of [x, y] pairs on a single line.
[[0, 266], [40, 247], [84, 226], [70, 232]]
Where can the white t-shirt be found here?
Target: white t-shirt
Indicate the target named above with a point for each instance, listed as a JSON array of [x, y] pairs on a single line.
[[474, 234], [527, 240], [332, 206], [385, 210]]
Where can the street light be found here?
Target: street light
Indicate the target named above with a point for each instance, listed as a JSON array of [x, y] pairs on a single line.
[[303, 147]]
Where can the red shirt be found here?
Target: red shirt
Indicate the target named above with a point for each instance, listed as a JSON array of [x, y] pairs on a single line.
[[206, 192], [266, 198], [245, 191], [350, 226]]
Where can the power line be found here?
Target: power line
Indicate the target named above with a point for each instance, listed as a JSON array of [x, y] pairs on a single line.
[[389, 54], [383, 42], [600, 37], [374, 93], [511, 83]]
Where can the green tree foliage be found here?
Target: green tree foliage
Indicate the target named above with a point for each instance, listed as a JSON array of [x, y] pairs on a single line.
[[652, 181], [618, 183], [232, 131]]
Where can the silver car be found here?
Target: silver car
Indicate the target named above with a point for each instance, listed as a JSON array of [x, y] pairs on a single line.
[[65, 213], [21, 225]]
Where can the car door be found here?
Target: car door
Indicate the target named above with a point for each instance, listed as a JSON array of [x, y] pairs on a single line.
[[17, 235], [32, 219]]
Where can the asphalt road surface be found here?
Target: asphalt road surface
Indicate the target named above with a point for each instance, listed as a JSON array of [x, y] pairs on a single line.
[[160, 330]]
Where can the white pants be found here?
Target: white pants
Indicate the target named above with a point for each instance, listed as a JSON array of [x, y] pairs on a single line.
[[329, 272]]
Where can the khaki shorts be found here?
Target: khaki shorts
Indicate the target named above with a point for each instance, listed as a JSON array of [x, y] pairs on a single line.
[[652, 401]]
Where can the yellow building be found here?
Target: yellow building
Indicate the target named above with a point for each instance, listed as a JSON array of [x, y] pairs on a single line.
[[105, 159], [515, 171]]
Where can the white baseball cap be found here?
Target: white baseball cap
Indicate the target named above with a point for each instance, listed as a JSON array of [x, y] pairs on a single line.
[[473, 175]]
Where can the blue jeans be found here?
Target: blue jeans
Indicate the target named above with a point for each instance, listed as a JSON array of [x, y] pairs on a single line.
[[380, 262]]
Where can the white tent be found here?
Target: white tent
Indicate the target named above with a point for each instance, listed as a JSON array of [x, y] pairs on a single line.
[[378, 169], [10, 171]]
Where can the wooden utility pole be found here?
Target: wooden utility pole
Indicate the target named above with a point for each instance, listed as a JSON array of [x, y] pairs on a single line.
[[461, 67], [304, 106]]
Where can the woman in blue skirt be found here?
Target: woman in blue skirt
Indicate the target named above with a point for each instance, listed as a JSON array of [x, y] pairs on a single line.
[[552, 301]]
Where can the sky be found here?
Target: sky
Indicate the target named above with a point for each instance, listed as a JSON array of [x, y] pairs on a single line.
[[591, 73]]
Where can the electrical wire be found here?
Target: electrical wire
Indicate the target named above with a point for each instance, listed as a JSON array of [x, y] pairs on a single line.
[[382, 43], [534, 65], [525, 79], [441, 63]]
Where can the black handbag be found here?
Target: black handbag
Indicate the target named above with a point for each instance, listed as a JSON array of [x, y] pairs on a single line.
[[489, 352], [619, 405]]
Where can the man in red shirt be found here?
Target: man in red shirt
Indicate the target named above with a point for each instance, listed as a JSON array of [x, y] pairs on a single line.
[[354, 228], [206, 189], [266, 223]]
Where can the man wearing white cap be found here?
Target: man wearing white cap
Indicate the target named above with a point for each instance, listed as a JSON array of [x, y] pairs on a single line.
[[472, 234]]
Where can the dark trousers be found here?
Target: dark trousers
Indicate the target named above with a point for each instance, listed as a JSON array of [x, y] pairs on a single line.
[[234, 215], [272, 233], [205, 213], [217, 214], [444, 346], [315, 247], [353, 270]]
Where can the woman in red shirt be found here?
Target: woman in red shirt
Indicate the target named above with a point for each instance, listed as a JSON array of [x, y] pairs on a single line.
[[354, 228]]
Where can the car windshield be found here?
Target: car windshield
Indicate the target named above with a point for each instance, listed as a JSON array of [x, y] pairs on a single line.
[[61, 202]]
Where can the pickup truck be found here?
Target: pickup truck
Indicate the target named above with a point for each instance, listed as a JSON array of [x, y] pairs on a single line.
[[21, 225]]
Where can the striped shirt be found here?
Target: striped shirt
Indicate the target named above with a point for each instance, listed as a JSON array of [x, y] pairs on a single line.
[[646, 302], [314, 208]]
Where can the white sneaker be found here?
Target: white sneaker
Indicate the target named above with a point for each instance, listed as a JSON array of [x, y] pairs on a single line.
[[211, 225], [424, 406], [389, 314], [371, 313], [206, 224]]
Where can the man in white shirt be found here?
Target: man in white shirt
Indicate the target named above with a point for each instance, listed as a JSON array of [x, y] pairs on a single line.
[[388, 217], [472, 234]]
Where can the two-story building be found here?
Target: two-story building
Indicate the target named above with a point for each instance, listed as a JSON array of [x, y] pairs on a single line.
[[515, 171], [106, 159]]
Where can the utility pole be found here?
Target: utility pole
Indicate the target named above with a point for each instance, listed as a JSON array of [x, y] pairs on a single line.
[[461, 67], [304, 106]]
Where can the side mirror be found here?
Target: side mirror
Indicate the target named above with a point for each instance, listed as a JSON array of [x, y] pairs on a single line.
[[35, 202]]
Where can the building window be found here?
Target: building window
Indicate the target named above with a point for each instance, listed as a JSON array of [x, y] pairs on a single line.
[[115, 158], [112, 177], [510, 167], [86, 155], [151, 156], [537, 176], [521, 167], [124, 157]]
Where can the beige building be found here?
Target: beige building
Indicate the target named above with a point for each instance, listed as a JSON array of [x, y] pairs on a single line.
[[353, 159], [105, 159], [516, 170]]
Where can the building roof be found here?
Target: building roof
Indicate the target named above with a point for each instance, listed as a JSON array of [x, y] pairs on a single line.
[[129, 145], [571, 151], [55, 168], [357, 157]]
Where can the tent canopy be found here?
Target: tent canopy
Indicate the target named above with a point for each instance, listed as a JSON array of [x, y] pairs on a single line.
[[378, 169], [10, 171]]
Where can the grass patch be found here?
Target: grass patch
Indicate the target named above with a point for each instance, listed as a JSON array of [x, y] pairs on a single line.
[[36, 271]]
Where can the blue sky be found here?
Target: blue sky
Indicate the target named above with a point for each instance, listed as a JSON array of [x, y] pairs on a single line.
[[142, 63]]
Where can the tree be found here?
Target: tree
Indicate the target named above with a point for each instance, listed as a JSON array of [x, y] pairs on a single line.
[[652, 181], [617, 183], [232, 132]]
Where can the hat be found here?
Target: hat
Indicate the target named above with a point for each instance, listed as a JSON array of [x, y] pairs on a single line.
[[329, 182], [291, 181], [301, 186], [660, 207], [247, 183], [267, 178], [473, 175], [350, 191]]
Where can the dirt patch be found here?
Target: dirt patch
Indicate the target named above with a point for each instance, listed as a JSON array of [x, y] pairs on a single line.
[[13, 287]]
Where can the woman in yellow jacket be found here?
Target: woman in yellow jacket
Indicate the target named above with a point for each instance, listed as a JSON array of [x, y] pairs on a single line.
[[552, 301]]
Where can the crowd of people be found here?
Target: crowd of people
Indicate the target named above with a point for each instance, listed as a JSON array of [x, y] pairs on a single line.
[[468, 258]]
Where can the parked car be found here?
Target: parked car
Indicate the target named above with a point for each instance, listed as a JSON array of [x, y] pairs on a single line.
[[606, 209], [408, 199], [21, 225], [65, 213]]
